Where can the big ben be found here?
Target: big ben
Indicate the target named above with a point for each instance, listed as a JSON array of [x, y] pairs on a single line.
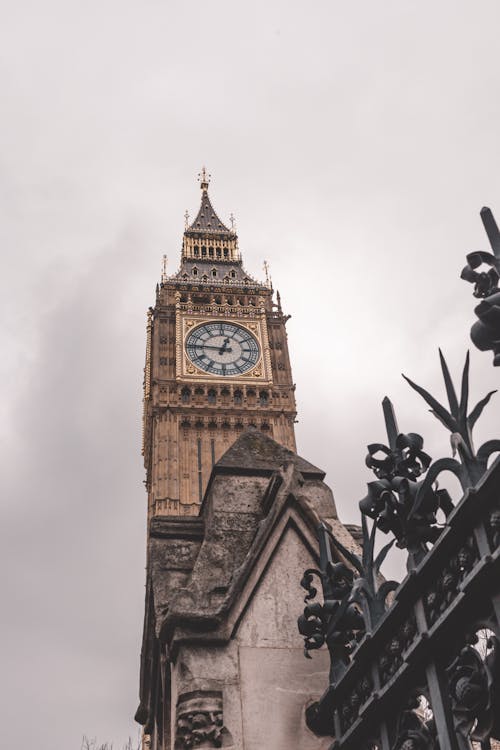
[[217, 363]]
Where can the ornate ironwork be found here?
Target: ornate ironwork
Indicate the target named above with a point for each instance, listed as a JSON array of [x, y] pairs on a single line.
[[413, 731], [472, 464], [337, 621], [396, 500], [485, 333], [473, 686], [418, 647]]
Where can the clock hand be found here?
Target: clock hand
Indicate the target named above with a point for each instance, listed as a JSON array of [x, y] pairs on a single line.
[[224, 346], [217, 348]]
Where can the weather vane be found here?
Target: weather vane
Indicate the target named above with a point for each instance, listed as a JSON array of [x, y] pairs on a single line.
[[232, 220], [204, 178], [164, 269]]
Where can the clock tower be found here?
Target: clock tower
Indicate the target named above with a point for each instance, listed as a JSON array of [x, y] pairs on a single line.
[[217, 363]]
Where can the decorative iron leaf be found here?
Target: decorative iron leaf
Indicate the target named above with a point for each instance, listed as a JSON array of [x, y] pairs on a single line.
[[381, 556], [464, 396], [442, 464], [450, 388], [486, 450], [478, 409], [437, 409]]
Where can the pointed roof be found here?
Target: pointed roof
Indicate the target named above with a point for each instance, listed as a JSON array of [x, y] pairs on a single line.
[[207, 220], [253, 452]]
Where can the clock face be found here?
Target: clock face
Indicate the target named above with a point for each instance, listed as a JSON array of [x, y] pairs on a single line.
[[222, 348]]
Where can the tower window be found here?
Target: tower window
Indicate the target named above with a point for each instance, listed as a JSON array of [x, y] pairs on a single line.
[[217, 252], [211, 252], [185, 395], [196, 250], [251, 396], [203, 250], [212, 396], [214, 272], [226, 252], [264, 398], [195, 271], [238, 397], [204, 277], [198, 391]]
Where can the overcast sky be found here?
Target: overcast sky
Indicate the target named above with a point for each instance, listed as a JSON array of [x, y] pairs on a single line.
[[355, 143]]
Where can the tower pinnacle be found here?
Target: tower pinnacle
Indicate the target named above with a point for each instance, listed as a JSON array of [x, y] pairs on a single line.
[[204, 179]]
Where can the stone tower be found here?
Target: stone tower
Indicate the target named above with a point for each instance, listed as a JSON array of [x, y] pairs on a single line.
[[216, 363], [233, 512]]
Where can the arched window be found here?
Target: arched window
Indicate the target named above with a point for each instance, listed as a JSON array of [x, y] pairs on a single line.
[[233, 273], [196, 250], [195, 271], [251, 396], [212, 396], [214, 272], [199, 391], [217, 252], [263, 398], [203, 251], [226, 252], [204, 277], [185, 395], [225, 394], [211, 252], [238, 397]]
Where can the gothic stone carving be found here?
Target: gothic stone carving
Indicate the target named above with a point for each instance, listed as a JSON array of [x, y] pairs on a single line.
[[199, 721]]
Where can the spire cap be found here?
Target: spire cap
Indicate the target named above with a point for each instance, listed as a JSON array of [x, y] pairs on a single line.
[[204, 178]]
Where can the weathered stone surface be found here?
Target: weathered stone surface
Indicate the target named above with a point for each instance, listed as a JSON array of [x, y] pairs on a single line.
[[225, 593], [254, 452], [277, 686]]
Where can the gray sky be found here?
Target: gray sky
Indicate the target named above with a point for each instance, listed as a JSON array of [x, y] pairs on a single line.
[[355, 143]]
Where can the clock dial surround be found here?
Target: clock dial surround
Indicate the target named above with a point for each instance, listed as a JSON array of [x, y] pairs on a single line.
[[222, 348]]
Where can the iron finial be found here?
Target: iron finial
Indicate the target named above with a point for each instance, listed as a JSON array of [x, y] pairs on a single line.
[[204, 178]]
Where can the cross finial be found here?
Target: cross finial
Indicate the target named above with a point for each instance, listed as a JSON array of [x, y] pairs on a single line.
[[204, 178], [232, 220], [163, 269], [186, 219]]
